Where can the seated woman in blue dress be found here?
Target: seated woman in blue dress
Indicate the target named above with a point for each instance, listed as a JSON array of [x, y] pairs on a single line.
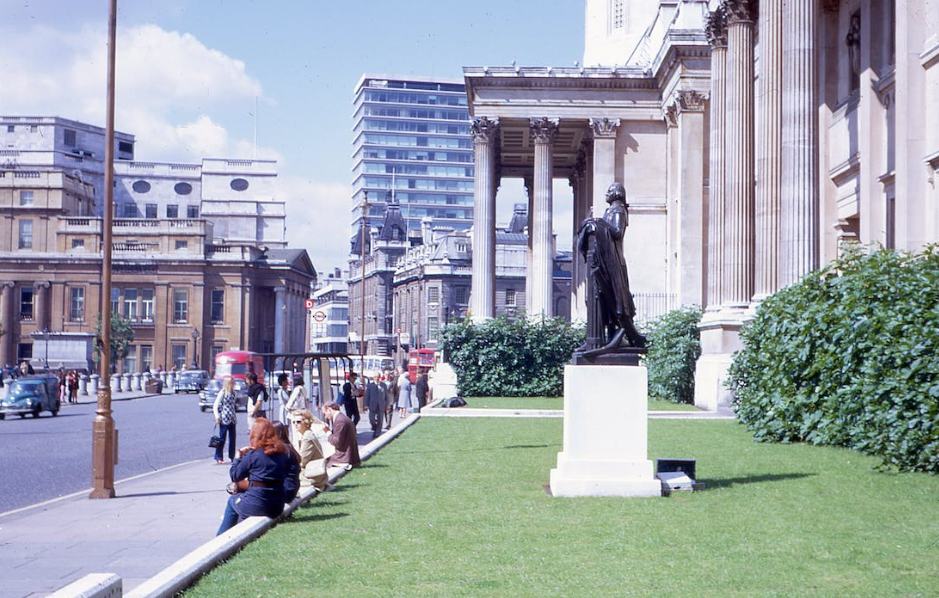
[[265, 464]]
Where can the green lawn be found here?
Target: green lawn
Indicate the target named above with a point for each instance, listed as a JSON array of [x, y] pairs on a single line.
[[555, 403], [457, 507]]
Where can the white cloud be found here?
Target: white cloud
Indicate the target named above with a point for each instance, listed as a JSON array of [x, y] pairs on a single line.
[[318, 219], [171, 88]]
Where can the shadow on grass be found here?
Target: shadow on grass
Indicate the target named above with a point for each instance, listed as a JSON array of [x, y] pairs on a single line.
[[437, 451], [754, 479], [308, 517], [343, 488]]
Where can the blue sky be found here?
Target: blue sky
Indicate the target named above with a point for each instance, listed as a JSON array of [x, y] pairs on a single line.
[[190, 73]]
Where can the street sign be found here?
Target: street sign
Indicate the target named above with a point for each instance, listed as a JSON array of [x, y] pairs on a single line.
[[405, 338], [319, 316], [309, 303]]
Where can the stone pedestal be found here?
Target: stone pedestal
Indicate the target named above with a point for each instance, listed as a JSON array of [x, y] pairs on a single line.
[[605, 434], [720, 337]]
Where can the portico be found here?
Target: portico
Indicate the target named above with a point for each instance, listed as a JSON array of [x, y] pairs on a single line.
[[644, 127]]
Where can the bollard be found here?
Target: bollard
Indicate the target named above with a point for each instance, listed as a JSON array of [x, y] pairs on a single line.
[[83, 385], [94, 384], [135, 381]]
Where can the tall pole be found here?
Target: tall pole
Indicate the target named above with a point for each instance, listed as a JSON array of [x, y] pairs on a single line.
[[104, 436], [362, 271]]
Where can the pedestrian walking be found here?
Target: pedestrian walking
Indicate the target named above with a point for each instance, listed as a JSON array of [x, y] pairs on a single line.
[[405, 405], [224, 410], [392, 398], [349, 400], [375, 399], [283, 397], [72, 382], [257, 396], [421, 388]]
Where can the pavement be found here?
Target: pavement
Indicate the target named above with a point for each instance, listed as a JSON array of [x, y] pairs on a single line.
[[158, 533]]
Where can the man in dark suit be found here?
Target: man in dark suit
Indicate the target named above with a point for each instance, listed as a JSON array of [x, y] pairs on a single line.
[[375, 400], [421, 388]]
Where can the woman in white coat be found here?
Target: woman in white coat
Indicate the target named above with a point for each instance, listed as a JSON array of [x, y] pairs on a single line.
[[405, 404]]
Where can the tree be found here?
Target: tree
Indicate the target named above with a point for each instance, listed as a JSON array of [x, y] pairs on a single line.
[[122, 335]]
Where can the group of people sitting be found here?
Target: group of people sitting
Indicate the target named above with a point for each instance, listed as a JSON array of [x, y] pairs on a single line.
[[269, 472]]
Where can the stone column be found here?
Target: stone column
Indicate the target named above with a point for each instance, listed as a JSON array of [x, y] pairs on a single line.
[[799, 198], [717, 35], [530, 194], [280, 308], [578, 180], [769, 161], [7, 313], [691, 218], [543, 131], [739, 145], [483, 288], [604, 161], [41, 307]]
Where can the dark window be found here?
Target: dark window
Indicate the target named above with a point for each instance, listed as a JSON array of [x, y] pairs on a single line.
[[141, 186], [172, 211], [183, 188], [24, 352], [10, 128], [218, 307], [130, 210], [151, 210], [180, 244], [239, 184], [26, 303], [71, 138], [192, 211], [77, 243], [125, 147], [76, 304]]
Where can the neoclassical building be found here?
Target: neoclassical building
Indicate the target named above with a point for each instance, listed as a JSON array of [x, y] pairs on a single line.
[[755, 139]]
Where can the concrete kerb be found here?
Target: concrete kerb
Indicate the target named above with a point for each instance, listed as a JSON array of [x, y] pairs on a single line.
[[184, 572]]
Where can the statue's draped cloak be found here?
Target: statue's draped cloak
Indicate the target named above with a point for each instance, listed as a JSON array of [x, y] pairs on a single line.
[[609, 268]]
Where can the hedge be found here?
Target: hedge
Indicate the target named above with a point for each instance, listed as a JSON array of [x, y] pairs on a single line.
[[674, 348], [510, 358], [848, 357]]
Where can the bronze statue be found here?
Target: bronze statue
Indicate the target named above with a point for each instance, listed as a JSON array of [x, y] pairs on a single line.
[[610, 307]]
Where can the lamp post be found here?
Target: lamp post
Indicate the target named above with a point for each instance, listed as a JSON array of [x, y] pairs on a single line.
[[195, 348], [104, 435], [45, 340]]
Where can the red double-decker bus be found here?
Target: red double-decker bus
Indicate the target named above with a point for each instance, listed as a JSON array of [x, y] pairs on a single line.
[[238, 363], [420, 358]]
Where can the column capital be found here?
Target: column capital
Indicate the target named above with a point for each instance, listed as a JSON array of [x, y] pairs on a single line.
[[484, 129], [670, 114], [7, 284], [689, 100], [544, 129], [741, 11], [604, 127], [42, 284], [716, 28]]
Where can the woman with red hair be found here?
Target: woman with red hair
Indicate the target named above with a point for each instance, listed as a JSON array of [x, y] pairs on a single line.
[[263, 465]]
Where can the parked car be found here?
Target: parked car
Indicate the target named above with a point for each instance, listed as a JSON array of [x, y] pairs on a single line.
[[208, 394], [31, 394], [191, 381]]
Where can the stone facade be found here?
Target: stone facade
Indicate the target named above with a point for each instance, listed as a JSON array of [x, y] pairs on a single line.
[[169, 277]]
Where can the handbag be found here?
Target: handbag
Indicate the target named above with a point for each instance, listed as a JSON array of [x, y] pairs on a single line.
[[315, 468], [215, 440]]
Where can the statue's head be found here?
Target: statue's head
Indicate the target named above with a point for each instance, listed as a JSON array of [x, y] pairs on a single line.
[[615, 192]]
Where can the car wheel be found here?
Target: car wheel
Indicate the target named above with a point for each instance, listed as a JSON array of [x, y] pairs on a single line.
[[202, 408], [3, 415], [36, 413]]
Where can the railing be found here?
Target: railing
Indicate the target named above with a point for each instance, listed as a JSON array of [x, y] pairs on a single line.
[[650, 306]]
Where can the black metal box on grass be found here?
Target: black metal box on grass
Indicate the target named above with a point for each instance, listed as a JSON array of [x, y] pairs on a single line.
[[686, 466]]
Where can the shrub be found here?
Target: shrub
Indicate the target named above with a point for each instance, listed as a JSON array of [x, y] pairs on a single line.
[[511, 358], [674, 348], [848, 357]]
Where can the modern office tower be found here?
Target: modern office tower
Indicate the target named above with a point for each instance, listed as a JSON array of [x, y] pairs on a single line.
[[412, 146]]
